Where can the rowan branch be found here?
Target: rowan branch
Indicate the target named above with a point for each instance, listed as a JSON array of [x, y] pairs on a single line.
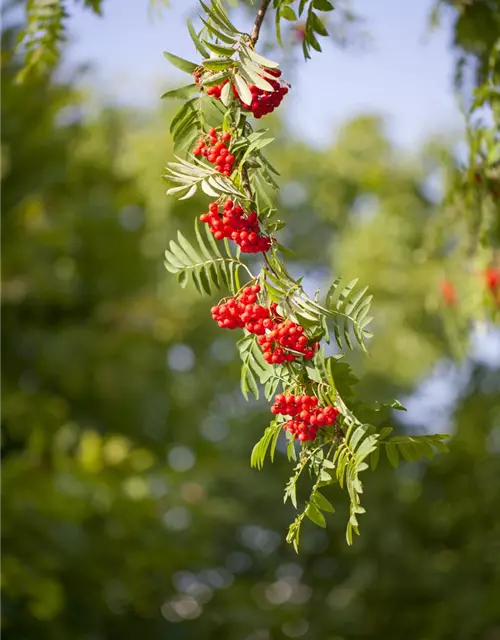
[[254, 36]]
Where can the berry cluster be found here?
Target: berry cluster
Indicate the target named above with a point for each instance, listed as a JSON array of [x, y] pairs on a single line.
[[216, 151], [264, 102], [306, 417], [243, 312], [491, 278], [280, 340], [232, 222], [284, 337]]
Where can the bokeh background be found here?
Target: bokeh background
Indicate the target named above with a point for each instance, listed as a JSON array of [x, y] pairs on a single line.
[[129, 506]]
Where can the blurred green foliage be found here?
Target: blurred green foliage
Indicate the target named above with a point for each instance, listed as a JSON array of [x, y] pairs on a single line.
[[129, 506], [476, 28]]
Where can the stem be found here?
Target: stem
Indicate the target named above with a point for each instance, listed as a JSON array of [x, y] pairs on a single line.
[[254, 36], [246, 183]]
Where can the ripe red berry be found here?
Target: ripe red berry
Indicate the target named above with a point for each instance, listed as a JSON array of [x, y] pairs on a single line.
[[263, 102], [305, 423], [233, 222], [215, 150]]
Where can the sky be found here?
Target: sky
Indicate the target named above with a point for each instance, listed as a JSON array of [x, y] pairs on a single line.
[[404, 73]]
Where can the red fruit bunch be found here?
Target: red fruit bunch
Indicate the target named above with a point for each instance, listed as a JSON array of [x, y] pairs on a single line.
[[234, 223], [264, 102], [492, 278], [215, 150], [282, 339], [307, 417], [242, 312]]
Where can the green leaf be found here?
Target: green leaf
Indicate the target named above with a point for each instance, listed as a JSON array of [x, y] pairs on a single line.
[[314, 514], [243, 89], [217, 33], [256, 57], [269, 439], [182, 93], [220, 50], [392, 454], [216, 78], [206, 265], [187, 107], [291, 489], [196, 40], [414, 448], [322, 503], [223, 15], [226, 95], [212, 15], [323, 5], [318, 26], [395, 404], [217, 64], [278, 28], [288, 13], [180, 63], [253, 361], [314, 43], [374, 458], [253, 77]]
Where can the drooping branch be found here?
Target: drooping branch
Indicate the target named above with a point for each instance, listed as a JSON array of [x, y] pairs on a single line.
[[254, 36]]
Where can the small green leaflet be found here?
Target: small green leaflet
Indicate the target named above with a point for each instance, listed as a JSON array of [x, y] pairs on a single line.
[[314, 514], [189, 176], [270, 438], [349, 460], [260, 60], [209, 268], [219, 49], [288, 13], [322, 503], [414, 448], [182, 93], [180, 63], [243, 89], [217, 64], [323, 5], [253, 366], [196, 40]]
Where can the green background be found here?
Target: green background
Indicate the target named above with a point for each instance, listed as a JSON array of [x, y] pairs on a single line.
[[129, 506]]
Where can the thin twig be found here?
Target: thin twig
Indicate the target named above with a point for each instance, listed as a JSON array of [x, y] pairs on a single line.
[[246, 182], [254, 36]]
